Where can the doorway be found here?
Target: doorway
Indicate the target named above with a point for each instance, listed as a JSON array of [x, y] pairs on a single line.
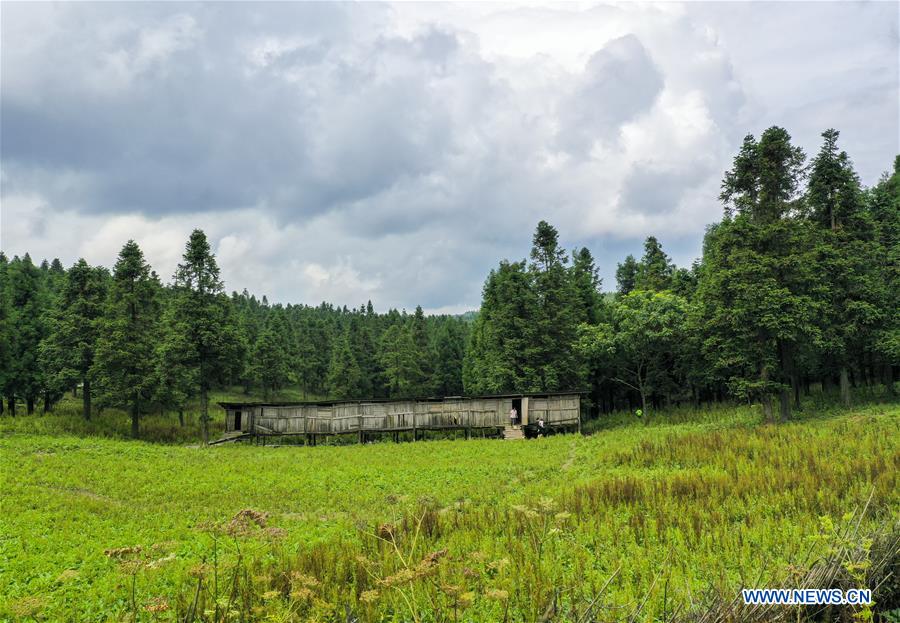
[[517, 405], [237, 420]]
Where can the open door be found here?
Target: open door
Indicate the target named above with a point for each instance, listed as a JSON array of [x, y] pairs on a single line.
[[517, 405], [237, 420]]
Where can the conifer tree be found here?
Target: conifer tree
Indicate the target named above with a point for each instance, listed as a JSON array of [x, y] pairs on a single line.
[[127, 333], [626, 275], [344, 380], [401, 362], [586, 282], [449, 351], [6, 335], [556, 319], [269, 361], [202, 313], [844, 247], [755, 289], [67, 355], [655, 270], [27, 304]]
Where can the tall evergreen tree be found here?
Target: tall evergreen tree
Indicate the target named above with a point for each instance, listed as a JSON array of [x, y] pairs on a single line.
[[844, 246], [6, 335], [449, 351], [269, 363], [586, 282], [755, 289], [401, 361], [655, 270], [501, 348], [626, 275], [27, 302], [67, 355], [344, 380], [202, 312], [127, 332], [556, 319]]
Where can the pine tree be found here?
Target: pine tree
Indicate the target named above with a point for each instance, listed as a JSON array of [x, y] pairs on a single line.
[[127, 333], [27, 304], [586, 282], [844, 246], [344, 380], [6, 337], [556, 318], [759, 266], [423, 353], [502, 352], [401, 362], [202, 313], [654, 273], [449, 350], [269, 361], [67, 355], [884, 206], [626, 275]]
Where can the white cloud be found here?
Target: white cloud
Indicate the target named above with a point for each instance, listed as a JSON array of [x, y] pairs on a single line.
[[397, 152]]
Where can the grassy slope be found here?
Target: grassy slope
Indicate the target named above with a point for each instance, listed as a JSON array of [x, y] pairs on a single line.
[[707, 501]]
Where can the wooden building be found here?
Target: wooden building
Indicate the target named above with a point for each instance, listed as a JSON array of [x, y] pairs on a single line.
[[559, 411]]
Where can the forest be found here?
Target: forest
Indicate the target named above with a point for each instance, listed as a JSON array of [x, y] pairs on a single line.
[[797, 286]]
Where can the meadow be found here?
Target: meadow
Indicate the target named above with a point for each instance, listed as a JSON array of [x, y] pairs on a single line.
[[636, 521]]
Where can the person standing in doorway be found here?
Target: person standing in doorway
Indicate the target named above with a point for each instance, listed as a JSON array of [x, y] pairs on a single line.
[[513, 417]]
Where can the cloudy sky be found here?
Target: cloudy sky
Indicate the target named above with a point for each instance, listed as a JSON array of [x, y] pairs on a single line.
[[397, 152]]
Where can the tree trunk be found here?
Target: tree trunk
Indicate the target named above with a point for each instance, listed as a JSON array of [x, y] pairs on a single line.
[[645, 414], [181, 417], [795, 382], [2, 404], [86, 400], [11, 405], [75, 392], [204, 411], [766, 398], [845, 387], [135, 415], [784, 396], [48, 407], [29, 405], [889, 380], [768, 414]]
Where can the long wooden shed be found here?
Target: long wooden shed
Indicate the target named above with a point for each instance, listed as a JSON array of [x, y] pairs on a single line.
[[558, 410]]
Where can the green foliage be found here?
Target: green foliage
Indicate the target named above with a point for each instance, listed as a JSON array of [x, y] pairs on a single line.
[[641, 341], [213, 347], [27, 301], [344, 376], [67, 354], [124, 358]]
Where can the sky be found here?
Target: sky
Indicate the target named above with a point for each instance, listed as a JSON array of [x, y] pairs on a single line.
[[397, 152]]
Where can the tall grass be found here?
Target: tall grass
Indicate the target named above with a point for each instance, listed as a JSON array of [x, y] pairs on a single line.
[[638, 521]]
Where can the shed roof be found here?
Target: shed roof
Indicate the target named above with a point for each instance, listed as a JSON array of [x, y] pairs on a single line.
[[327, 403]]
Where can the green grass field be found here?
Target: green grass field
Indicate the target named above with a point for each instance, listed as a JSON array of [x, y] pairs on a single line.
[[634, 520]]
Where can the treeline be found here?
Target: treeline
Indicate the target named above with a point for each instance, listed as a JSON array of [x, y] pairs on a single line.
[[798, 284], [125, 340]]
